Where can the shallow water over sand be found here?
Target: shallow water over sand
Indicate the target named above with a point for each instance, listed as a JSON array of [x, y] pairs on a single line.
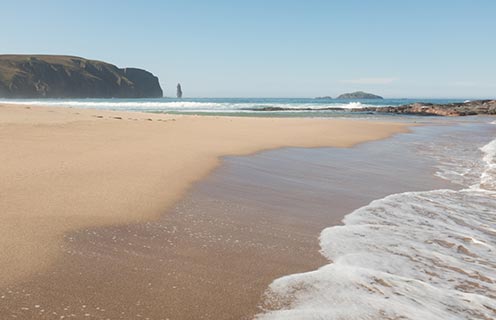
[[254, 219], [413, 255]]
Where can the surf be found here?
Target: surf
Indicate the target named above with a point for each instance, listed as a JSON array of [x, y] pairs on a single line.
[[414, 255]]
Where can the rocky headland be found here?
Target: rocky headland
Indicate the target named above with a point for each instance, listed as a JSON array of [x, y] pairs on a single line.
[[53, 76]]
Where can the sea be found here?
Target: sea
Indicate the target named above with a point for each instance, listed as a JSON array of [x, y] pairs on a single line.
[[292, 107], [410, 255]]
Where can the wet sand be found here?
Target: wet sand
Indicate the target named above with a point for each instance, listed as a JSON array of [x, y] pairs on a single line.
[[64, 169], [213, 254]]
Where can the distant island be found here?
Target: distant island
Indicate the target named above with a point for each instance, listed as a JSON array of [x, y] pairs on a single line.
[[53, 76], [359, 95], [353, 95]]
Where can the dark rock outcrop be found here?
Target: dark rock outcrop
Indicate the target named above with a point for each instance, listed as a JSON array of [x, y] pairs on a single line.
[[51, 76], [324, 98], [272, 109], [359, 95], [179, 91], [482, 107], [451, 109]]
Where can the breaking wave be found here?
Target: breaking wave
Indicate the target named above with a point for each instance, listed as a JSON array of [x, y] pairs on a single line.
[[414, 255], [187, 106]]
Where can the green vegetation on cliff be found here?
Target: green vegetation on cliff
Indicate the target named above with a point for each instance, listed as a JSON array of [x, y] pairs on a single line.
[[359, 95], [52, 76]]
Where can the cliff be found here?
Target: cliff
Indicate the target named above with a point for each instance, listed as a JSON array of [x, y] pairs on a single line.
[[450, 109], [359, 95], [51, 76]]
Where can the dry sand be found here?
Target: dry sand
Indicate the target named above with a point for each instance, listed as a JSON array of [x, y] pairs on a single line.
[[63, 169]]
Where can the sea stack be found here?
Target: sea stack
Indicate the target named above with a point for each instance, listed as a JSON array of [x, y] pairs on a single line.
[[179, 92]]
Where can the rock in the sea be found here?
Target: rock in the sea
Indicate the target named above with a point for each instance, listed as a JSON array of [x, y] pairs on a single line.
[[359, 95], [324, 98], [179, 92], [52, 76], [429, 109]]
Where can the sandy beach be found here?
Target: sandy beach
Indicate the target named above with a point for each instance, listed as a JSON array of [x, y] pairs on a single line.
[[122, 215], [249, 160], [66, 169]]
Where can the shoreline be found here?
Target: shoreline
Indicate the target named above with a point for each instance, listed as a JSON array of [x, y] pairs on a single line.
[[196, 260], [269, 207], [67, 168], [406, 275]]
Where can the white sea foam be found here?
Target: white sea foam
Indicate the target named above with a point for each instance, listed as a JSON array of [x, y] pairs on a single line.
[[352, 105], [182, 106], [488, 177], [460, 163], [415, 255]]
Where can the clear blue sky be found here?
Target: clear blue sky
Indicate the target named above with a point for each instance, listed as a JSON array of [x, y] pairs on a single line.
[[255, 48]]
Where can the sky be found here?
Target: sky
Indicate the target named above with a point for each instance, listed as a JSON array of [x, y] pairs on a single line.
[[273, 48]]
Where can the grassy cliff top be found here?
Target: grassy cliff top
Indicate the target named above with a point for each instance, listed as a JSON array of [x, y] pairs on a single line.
[[11, 64]]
